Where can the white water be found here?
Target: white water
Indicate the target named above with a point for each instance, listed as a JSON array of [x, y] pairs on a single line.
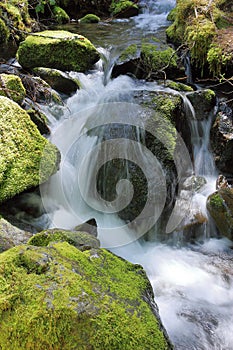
[[193, 285]]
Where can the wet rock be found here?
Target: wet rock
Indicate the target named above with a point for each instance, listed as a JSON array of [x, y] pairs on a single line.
[[128, 62], [11, 236], [59, 81], [40, 120], [220, 207], [69, 298], [221, 138], [203, 102], [124, 9], [89, 226], [194, 183], [79, 239], [27, 158], [60, 50]]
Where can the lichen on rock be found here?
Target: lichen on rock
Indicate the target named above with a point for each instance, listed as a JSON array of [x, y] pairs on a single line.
[[57, 49]]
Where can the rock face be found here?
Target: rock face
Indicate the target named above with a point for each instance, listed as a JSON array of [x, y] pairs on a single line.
[[27, 158], [203, 101], [11, 236], [59, 297], [221, 138], [220, 207], [57, 49]]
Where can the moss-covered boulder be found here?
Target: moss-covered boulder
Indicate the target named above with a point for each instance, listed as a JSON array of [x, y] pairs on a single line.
[[11, 236], [89, 18], [79, 239], [206, 28], [26, 159], [124, 8], [149, 61], [57, 49], [60, 15], [203, 102], [11, 86], [61, 298], [40, 119], [58, 80], [221, 139], [220, 207]]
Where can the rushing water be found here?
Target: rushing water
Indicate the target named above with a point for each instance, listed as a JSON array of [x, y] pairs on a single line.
[[193, 284]]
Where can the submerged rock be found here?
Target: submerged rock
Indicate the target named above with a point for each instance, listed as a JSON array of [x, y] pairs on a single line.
[[58, 80], [220, 207], [11, 236], [59, 297], [11, 86], [57, 49], [27, 158]]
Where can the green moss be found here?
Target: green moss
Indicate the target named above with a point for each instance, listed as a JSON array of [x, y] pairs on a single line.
[[60, 15], [217, 59], [179, 86], [119, 6], [11, 86], [128, 53], [57, 49], [90, 18], [208, 95], [60, 298], [216, 202], [80, 240], [26, 158], [155, 60], [4, 32]]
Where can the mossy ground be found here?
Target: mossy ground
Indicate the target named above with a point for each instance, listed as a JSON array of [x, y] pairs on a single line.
[[60, 298], [26, 158], [199, 24], [57, 49]]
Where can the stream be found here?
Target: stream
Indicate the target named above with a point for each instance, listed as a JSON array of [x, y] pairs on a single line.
[[193, 283]]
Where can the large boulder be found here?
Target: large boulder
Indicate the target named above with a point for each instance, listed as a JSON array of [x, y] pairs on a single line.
[[220, 207], [27, 158], [57, 49], [62, 298]]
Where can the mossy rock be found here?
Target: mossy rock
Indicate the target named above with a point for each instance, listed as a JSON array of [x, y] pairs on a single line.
[[220, 207], [61, 298], [4, 32], [11, 86], [203, 102], [40, 120], [60, 15], [58, 80], [80, 240], [11, 236], [90, 18], [124, 8], [57, 49], [27, 159], [128, 62], [159, 62], [178, 86]]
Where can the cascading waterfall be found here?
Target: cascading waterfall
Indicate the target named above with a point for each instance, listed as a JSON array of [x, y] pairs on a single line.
[[193, 285]]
